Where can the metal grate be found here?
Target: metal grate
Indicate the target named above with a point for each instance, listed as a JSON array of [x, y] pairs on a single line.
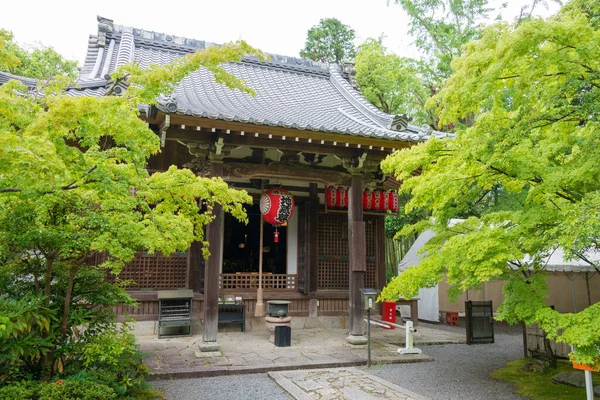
[[480, 322], [333, 269], [175, 309]]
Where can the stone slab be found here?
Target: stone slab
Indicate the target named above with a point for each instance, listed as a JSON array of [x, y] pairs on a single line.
[[209, 346], [339, 383], [208, 354], [356, 340]]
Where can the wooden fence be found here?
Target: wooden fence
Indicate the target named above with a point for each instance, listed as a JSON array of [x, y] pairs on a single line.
[[535, 343], [250, 281]]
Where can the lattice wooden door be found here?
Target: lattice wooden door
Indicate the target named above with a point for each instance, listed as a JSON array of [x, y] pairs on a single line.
[[333, 270]]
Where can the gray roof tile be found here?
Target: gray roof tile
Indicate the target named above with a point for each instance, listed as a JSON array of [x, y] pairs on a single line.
[[290, 92]]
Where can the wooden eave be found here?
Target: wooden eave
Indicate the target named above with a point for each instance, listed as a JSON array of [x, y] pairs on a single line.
[[328, 139]]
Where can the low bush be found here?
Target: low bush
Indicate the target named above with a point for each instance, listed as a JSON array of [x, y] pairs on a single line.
[[76, 389]]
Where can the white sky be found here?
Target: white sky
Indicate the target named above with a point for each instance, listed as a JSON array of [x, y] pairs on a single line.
[[274, 26]]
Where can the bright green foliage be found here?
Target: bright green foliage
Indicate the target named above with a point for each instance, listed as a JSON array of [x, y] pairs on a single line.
[[76, 389], [532, 155], [8, 60], [68, 168], [391, 83], [41, 62], [329, 41], [442, 27]]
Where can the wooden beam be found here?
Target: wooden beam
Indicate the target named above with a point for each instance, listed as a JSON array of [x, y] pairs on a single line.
[[284, 171], [235, 139], [357, 253], [290, 133]]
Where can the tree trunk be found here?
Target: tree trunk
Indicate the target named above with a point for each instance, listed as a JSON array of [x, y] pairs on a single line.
[[48, 279], [552, 360], [68, 295], [47, 360]]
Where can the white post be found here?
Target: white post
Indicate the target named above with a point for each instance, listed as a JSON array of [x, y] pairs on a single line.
[[589, 385], [409, 349]]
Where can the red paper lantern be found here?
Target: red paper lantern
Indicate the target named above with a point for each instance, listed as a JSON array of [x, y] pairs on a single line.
[[393, 203], [377, 200], [331, 197], [384, 205], [367, 200], [276, 206], [342, 197]]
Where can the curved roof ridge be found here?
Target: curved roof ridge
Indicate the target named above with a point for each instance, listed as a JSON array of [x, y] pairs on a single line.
[[187, 45], [353, 96]]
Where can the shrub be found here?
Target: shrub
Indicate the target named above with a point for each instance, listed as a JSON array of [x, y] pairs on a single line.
[[20, 391], [76, 389]]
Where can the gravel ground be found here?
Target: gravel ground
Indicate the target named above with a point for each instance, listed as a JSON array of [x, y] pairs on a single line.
[[460, 371], [238, 387]]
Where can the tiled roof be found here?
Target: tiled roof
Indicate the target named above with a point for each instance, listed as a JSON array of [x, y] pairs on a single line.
[[290, 92], [5, 77]]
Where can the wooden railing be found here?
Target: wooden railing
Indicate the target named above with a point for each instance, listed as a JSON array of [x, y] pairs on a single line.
[[250, 281]]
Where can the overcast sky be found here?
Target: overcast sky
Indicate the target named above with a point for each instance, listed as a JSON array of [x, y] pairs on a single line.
[[274, 26]]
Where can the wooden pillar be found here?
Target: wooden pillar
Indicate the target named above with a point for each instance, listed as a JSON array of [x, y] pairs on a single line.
[[312, 232], [195, 270], [380, 243], [212, 269], [357, 255]]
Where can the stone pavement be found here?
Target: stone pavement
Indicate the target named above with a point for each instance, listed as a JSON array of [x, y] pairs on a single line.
[[251, 352], [339, 383]]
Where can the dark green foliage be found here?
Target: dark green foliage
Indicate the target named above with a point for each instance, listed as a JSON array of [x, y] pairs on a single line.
[[329, 41]]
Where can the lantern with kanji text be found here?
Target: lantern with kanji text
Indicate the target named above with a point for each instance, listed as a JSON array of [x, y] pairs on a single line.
[[392, 199], [342, 197], [276, 208], [331, 197]]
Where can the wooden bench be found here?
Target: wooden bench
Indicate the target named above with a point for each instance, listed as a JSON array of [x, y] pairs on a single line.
[[414, 308], [233, 314]]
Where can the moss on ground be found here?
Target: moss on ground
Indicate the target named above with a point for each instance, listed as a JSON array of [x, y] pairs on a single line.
[[539, 385]]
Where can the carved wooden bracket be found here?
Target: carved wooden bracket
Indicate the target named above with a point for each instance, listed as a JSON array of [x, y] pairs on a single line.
[[163, 129], [283, 171]]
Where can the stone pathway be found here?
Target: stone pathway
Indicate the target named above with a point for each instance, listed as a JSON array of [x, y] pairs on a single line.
[[339, 383], [252, 352]]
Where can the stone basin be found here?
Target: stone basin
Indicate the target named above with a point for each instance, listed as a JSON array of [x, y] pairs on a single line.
[[278, 308]]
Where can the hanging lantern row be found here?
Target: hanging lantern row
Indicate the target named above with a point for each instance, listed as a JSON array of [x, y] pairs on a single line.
[[372, 199], [276, 208]]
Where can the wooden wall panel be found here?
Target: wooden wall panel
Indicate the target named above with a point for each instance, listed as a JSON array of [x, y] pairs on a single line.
[[155, 271]]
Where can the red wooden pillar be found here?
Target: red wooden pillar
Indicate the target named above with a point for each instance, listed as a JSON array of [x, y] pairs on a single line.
[[357, 255], [212, 271]]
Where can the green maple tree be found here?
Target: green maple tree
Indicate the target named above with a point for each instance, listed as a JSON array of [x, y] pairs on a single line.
[[532, 154], [392, 83], [68, 165]]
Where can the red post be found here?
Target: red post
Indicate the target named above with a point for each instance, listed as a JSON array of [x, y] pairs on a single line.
[[388, 313]]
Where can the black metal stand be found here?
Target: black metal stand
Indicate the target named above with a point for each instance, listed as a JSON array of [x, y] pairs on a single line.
[[369, 338]]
